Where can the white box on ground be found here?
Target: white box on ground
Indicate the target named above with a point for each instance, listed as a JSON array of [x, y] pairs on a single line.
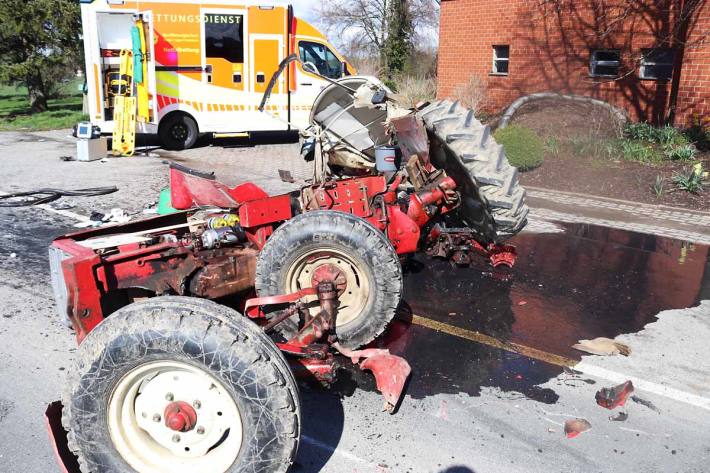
[[91, 149]]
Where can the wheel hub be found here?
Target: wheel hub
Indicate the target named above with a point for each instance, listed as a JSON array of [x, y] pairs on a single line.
[[174, 413], [179, 132], [330, 272], [180, 417], [351, 281]]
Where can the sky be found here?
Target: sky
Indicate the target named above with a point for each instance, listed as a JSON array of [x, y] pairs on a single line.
[[304, 8]]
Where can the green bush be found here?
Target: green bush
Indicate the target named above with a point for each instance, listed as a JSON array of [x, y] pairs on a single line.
[[640, 151], [524, 148], [665, 136], [680, 153], [691, 179]]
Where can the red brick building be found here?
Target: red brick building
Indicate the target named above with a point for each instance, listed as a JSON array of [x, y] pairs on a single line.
[[651, 58]]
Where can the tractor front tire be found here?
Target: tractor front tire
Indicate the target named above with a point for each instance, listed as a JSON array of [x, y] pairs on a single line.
[[183, 385], [365, 260], [494, 203]]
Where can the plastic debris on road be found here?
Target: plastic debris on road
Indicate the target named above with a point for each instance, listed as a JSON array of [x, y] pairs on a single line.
[[611, 398], [603, 346], [620, 417], [574, 427]]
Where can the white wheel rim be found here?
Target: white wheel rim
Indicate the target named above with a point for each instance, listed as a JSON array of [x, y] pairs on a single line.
[[352, 302], [137, 426]]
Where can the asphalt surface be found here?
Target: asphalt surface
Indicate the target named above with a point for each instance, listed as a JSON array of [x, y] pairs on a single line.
[[494, 374]]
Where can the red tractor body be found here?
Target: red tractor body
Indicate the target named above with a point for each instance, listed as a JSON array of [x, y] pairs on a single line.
[[318, 270]]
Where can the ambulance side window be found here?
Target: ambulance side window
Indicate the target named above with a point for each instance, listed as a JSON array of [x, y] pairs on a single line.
[[323, 58], [224, 37]]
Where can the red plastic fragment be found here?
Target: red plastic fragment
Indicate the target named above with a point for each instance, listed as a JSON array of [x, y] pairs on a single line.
[[66, 460], [574, 427], [611, 398], [391, 373]]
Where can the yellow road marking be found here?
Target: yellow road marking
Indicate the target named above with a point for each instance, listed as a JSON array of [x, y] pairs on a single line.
[[494, 342]]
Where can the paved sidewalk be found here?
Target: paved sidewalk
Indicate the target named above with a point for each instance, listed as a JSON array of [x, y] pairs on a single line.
[[682, 224]]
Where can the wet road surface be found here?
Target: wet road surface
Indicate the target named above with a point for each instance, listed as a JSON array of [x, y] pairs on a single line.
[[584, 283]]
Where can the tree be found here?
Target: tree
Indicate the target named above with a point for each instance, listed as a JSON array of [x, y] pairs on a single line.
[[387, 29], [40, 40], [398, 45]]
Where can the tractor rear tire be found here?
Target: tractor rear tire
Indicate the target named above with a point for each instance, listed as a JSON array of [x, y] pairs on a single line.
[[355, 249], [194, 353], [464, 147]]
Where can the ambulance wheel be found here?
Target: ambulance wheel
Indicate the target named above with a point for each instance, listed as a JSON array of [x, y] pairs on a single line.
[[178, 131], [182, 385]]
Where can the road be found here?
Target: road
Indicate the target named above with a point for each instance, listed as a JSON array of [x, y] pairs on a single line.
[[494, 374]]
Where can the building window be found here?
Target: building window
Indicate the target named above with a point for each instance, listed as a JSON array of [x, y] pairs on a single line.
[[605, 63], [657, 64], [501, 59]]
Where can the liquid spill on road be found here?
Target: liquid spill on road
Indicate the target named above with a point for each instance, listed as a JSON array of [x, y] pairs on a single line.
[[28, 235], [584, 283]]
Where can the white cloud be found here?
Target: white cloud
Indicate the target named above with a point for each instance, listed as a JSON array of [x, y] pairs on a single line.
[[305, 8]]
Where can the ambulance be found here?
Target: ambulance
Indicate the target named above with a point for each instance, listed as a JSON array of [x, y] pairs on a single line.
[[205, 66]]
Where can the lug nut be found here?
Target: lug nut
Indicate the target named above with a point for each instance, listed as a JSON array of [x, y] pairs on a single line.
[[197, 404], [176, 438], [201, 430], [156, 418], [169, 397]]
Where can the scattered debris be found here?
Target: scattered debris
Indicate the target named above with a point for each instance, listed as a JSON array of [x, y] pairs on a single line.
[[571, 377], [62, 206], [574, 427], [87, 224], [286, 176], [117, 216], [97, 216], [603, 346], [611, 398], [45, 196], [522, 303], [645, 403], [67, 158], [620, 417]]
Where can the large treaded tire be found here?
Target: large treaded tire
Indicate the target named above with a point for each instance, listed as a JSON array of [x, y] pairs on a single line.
[[367, 247], [468, 152], [199, 333]]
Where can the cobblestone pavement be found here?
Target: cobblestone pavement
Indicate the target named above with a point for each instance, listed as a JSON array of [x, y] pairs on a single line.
[[670, 222]]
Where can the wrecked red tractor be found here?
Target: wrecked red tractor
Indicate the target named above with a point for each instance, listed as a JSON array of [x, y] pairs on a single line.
[[169, 371]]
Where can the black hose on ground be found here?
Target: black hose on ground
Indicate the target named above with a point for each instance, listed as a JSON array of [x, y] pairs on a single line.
[[45, 196]]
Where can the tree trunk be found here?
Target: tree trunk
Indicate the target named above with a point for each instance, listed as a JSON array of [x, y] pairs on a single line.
[[37, 93]]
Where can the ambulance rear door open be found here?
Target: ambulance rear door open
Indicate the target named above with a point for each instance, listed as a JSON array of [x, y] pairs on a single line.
[[112, 33]]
